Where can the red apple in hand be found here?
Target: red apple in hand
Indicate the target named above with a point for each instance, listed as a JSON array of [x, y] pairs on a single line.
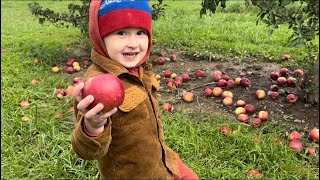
[[106, 89]]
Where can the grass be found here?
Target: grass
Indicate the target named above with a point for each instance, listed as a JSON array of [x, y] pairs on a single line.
[[41, 148]]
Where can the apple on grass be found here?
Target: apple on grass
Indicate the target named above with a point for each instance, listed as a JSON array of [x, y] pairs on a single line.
[[253, 173], [256, 122], [243, 118], [263, 115], [296, 146], [24, 104], [314, 135], [295, 135], [225, 130], [167, 107], [249, 109], [55, 69], [311, 151], [106, 89]]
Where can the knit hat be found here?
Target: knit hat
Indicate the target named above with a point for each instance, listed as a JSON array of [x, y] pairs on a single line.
[[112, 15]]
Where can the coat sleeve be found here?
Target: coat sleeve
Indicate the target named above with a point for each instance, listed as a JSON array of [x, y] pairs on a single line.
[[86, 147]]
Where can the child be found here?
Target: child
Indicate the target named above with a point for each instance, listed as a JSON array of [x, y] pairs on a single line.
[[128, 141]]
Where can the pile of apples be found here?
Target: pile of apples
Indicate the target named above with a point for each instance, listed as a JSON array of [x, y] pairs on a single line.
[[72, 66], [295, 141], [285, 78], [61, 93]]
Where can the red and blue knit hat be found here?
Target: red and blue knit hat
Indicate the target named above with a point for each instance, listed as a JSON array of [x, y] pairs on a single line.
[[118, 14], [107, 16]]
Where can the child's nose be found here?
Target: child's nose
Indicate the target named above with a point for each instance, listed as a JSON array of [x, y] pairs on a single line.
[[133, 42]]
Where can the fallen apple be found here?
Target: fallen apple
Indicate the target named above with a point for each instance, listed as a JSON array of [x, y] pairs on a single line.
[[298, 72], [185, 77], [237, 80], [256, 122], [173, 57], [245, 82], [260, 94], [225, 77], [187, 96], [167, 73], [55, 69], [216, 75], [227, 94], [225, 130], [240, 103], [314, 135], [291, 98], [310, 151], [291, 81], [274, 95], [249, 109], [70, 70], [243, 118], [296, 145], [240, 110], [200, 73], [222, 83], [167, 107], [70, 61], [274, 75], [295, 135], [217, 91], [286, 57], [24, 104], [227, 101], [207, 92], [284, 71], [263, 115], [274, 87], [253, 173], [85, 63], [281, 81], [231, 83], [106, 89]]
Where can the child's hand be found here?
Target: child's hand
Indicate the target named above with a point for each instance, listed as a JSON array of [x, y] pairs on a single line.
[[94, 119]]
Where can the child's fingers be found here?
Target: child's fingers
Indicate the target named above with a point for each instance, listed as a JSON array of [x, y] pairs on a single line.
[[84, 103], [94, 111], [77, 91], [109, 113]]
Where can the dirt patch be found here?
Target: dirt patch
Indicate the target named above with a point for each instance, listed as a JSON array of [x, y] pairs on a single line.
[[296, 116]]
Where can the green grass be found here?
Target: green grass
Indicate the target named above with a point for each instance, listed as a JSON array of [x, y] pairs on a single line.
[[41, 148]]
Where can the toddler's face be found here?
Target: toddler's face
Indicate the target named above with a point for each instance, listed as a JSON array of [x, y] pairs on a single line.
[[127, 46]]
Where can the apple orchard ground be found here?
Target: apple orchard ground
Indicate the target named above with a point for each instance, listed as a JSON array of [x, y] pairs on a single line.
[[299, 116]]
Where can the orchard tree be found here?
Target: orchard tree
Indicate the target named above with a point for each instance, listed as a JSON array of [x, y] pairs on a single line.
[[302, 16]]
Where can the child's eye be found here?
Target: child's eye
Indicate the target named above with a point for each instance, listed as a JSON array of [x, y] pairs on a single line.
[[121, 33], [142, 32]]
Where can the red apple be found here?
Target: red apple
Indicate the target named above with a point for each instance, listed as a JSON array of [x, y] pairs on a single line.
[[167, 73], [167, 80], [311, 151], [260, 94], [225, 130], [286, 57], [106, 89], [298, 72], [178, 79], [256, 122], [254, 173], [296, 145], [245, 82], [171, 85], [284, 71], [217, 91], [274, 75], [243, 118], [200, 73], [85, 63], [76, 80], [70, 61], [274, 95], [159, 61], [59, 91], [207, 92], [188, 97], [178, 84], [314, 135], [225, 77], [240, 103], [216, 76], [249, 109], [291, 81], [295, 135], [274, 87], [70, 70], [231, 83], [291, 98], [24, 104], [263, 115], [185, 77], [173, 57], [222, 83], [167, 107], [281, 81]]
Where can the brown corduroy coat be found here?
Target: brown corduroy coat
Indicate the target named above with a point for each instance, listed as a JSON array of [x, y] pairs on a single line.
[[132, 145]]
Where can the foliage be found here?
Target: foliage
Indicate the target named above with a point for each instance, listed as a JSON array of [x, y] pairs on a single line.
[[78, 15], [211, 5]]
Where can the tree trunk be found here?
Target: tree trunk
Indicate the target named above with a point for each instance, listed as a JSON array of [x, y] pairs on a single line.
[[312, 85]]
